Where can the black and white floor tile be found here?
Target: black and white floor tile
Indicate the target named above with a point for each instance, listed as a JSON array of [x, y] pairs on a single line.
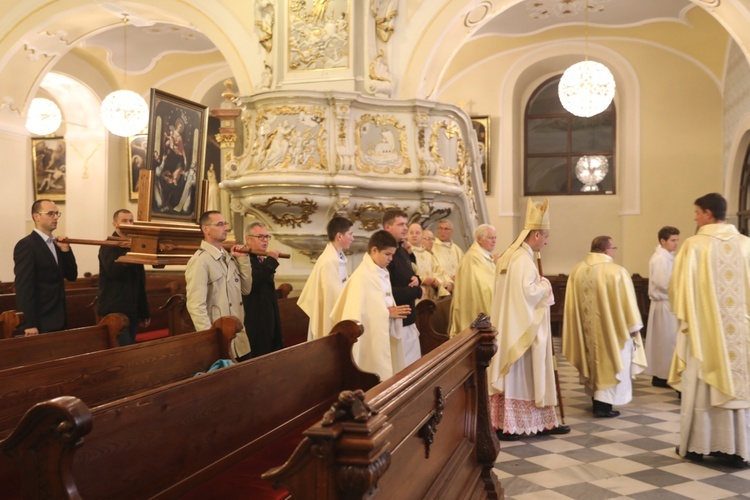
[[630, 456]]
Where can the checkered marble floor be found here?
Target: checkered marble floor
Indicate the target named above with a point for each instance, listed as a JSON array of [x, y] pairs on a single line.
[[630, 456]]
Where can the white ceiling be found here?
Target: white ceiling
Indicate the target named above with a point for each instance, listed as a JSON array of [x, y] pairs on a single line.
[[534, 16]]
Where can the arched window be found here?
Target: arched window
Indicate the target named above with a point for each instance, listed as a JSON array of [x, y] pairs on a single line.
[[743, 213], [555, 141]]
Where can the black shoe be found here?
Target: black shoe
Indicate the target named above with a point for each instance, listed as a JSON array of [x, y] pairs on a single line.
[[691, 455], [735, 461], [503, 436], [560, 429], [606, 414], [659, 382]]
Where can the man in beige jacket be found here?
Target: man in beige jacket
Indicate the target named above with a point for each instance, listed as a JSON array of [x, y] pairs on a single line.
[[216, 281]]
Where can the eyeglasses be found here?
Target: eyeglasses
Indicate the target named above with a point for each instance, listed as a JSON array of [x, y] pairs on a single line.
[[262, 237], [51, 213], [219, 224], [612, 248]]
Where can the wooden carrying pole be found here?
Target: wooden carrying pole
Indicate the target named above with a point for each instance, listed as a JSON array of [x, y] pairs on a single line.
[[554, 356], [113, 241]]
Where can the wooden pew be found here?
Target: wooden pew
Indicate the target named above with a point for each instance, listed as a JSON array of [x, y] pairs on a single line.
[[29, 350], [165, 442], [294, 321], [432, 323], [423, 433], [9, 321], [101, 376]]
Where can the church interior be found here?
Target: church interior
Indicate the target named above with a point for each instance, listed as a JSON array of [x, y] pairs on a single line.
[[316, 108]]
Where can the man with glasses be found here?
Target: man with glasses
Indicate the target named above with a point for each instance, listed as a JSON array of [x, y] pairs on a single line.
[[262, 320], [216, 279], [601, 328], [447, 253], [41, 265]]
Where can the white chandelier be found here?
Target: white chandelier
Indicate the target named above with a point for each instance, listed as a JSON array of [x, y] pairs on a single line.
[[588, 87], [591, 170], [44, 117], [124, 112]]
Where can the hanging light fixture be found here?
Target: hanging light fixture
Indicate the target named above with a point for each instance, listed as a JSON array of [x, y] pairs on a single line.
[[124, 112], [588, 87], [44, 117], [591, 170]]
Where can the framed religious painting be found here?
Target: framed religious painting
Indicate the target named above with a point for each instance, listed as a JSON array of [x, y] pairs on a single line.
[[48, 165], [137, 149], [175, 154], [481, 126]]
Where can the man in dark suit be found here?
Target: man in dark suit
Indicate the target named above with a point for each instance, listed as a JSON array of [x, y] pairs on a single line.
[[41, 265], [122, 287], [405, 283], [262, 321]]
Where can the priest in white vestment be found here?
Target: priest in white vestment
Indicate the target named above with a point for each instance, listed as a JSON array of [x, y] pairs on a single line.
[[327, 278], [601, 328], [447, 253], [429, 271], [710, 294], [475, 281], [367, 298], [661, 333], [521, 374]]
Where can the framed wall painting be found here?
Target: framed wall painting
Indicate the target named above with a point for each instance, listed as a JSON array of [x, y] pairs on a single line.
[[481, 126], [48, 165], [175, 153], [137, 154]]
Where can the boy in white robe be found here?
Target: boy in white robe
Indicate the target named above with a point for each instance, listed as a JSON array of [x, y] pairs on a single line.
[[661, 333], [367, 298], [327, 278]]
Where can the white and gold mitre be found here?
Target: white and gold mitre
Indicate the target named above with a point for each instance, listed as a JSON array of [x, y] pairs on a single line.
[[537, 216], [537, 219]]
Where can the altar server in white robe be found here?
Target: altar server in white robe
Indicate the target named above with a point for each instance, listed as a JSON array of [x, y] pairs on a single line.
[[367, 298], [710, 294], [521, 374], [427, 267], [327, 278], [661, 333], [475, 281]]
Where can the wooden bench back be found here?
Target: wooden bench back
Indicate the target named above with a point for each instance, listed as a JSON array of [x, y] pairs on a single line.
[[423, 433], [9, 321], [432, 323], [111, 374], [29, 350], [164, 441]]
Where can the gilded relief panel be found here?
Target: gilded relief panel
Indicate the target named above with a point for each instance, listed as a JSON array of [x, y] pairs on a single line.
[[319, 33], [447, 149], [290, 137], [381, 145]]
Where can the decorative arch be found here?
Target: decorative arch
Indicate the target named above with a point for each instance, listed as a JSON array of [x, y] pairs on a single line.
[[737, 180], [450, 21]]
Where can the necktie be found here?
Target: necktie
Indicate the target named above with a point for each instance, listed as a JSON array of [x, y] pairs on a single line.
[[51, 245]]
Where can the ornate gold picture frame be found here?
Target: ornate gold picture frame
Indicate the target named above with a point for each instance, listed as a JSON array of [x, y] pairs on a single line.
[[481, 126], [48, 165], [176, 150]]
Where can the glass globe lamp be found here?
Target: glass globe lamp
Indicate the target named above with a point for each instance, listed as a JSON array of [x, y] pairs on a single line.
[[44, 117], [586, 88], [591, 170], [124, 113]]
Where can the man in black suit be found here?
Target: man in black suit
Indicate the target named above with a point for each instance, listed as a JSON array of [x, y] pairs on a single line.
[[405, 283], [41, 265], [122, 287], [262, 321]]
